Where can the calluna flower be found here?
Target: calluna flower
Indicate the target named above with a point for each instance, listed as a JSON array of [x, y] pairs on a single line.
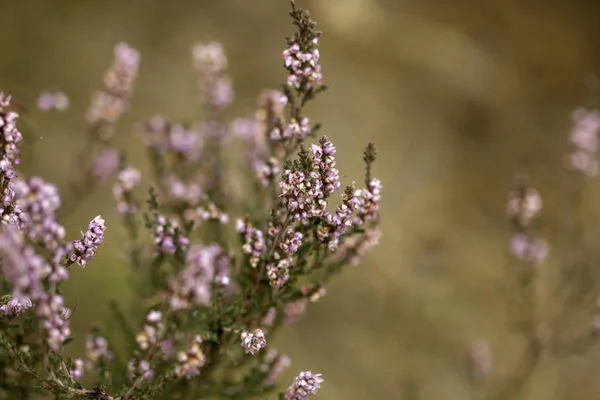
[[167, 236], [105, 164], [324, 160], [301, 194], [39, 201], [305, 385], [178, 191], [10, 138], [140, 369], [86, 248], [109, 104], [295, 129], [356, 247], [524, 203], [369, 206], [253, 341], [292, 240], [337, 224], [274, 366], [21, 266], [254, 244], [152, 331], [55, 319], [191, 361], [584, 141], [77, 371], [204, 265], [279, 273], [15, 307], [480, 359], [528, 249], [127, 180], [210, 59], [211, 213], [301, 58], [97, 349], [267, 171], [48, 100], [293, 311]]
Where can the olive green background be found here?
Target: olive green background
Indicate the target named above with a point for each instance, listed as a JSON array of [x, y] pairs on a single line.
[[457, 94]]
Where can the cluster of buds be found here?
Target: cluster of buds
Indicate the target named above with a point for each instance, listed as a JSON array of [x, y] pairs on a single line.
[[523, 206], [584, 141]]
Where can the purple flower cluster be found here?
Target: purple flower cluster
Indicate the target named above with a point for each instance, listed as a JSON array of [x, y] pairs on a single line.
[[104, 164], [324, 160], [163, 137], [210, 59], [189, 362], [305, 385], [58, 101], [254, 241], [253, 341], [15, 307], [274, 365], [584, 141], [39, 201], [109, 104], [204, 265], [86, 248], [302, 195], [523, 206], [292, 240], [293, 130], [279, 272], [167, 236], [127, 180], [355, 248], [301, 59], [77, 371], [10, 138], [96, 349]]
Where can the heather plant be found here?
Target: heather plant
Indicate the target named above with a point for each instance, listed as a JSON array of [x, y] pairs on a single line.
[[217, 272]]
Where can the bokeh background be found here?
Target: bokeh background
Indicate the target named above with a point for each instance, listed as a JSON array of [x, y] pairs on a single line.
[[457, 94]]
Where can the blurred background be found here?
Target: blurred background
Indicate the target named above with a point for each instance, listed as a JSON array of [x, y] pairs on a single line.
[[458, 95]]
